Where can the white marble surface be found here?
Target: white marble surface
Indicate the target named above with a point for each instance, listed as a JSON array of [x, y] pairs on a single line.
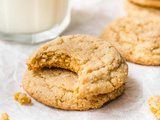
[[88, 17]]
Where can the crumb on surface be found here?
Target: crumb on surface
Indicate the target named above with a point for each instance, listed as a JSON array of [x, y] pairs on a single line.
[[22, 98], [4, 116], [154, 103]]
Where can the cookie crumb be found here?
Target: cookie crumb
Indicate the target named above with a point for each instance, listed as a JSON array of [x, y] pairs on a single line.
[[22, 98], [20, 86], [154, 103], [4, 116]]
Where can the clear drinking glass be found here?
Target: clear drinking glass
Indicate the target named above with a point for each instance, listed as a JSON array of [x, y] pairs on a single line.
[[33, 21]]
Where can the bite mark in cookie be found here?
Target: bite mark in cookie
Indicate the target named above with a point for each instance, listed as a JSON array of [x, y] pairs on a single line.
[[99, 66]]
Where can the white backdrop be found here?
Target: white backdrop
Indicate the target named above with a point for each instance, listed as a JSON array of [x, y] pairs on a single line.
[[88, 17]]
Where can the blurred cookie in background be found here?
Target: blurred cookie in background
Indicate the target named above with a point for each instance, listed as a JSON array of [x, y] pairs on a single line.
[[147, 3], [137, 38], [137, 10]]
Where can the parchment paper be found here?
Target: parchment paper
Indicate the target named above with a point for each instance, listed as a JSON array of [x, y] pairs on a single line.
[[88, 17]]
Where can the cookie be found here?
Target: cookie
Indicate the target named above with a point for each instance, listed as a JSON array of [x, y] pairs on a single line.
[[137, 38], [147, 3], [137, 10], [100, 67], [154, 103], [55, 87]]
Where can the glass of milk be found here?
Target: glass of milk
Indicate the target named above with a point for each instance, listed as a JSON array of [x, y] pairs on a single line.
[[33, 21]]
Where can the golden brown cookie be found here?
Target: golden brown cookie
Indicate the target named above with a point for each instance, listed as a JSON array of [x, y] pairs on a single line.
[[138, 39], [137, 10], [100, 67], [154, 103], [147, 3], [55, 88]]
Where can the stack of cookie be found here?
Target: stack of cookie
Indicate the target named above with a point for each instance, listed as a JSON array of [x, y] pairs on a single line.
[[142, 7], [97, 73]]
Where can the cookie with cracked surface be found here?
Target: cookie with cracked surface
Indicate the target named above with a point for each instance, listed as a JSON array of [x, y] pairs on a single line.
[[147, 3], [137, 38], [100, 67], [154, 103], [55, 87], [137, 10]]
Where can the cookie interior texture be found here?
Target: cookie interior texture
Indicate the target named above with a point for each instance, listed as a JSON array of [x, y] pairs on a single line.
[[55, 87], [147, 3], [100, 67], [137, 38], [137, 10]]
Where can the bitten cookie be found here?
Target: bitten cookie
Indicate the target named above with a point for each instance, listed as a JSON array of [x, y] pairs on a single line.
[[138, 39], [147, 3], [137, 10], [154, 103], [55, 88], [100, 67]]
